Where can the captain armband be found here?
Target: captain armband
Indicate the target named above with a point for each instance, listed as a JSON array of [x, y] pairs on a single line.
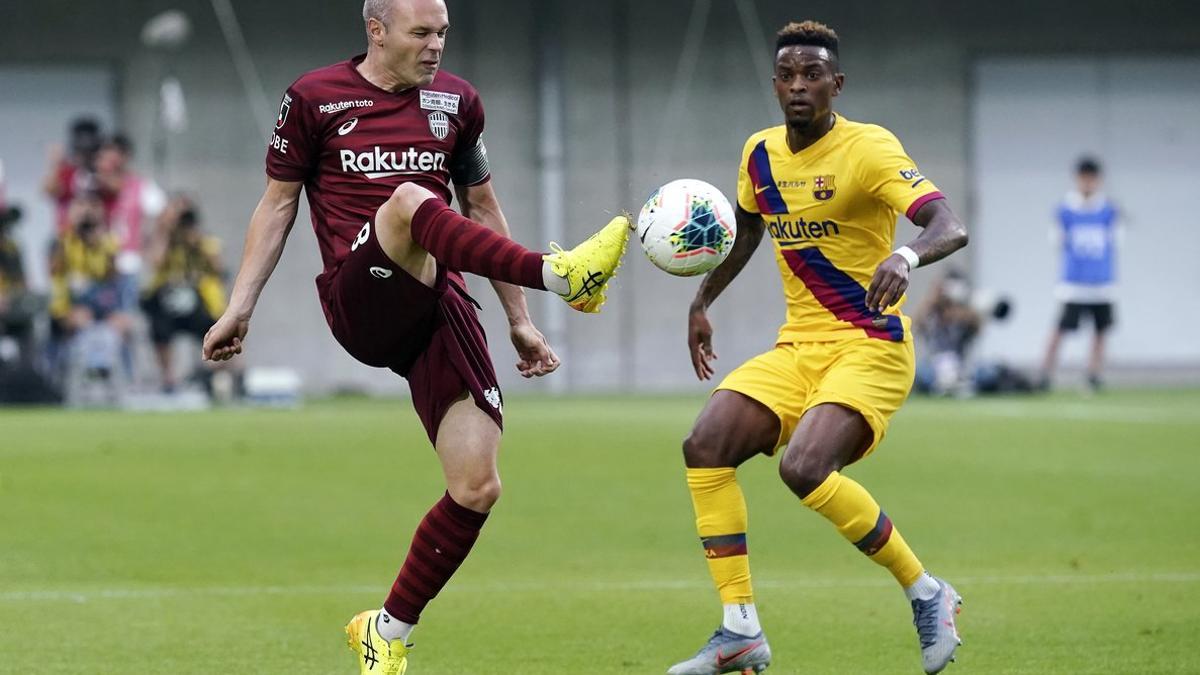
[[471, 166]]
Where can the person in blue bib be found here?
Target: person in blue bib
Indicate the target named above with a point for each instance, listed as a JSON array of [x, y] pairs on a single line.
[[1086, 235]]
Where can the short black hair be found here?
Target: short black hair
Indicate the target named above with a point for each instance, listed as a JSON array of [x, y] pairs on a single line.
[[1089, 166], [809, 34], [121, 142], [85, 125]]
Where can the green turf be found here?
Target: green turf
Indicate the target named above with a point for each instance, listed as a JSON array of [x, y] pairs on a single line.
[[240, 541]]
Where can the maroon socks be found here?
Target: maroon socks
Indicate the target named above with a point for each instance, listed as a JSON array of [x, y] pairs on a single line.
[[467, 246], [441, 543]]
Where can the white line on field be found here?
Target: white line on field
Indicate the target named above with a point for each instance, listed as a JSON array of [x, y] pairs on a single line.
[[158, 592]]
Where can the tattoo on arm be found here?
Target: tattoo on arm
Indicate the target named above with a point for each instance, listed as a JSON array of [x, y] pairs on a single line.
[[942, 232], [749, 233]]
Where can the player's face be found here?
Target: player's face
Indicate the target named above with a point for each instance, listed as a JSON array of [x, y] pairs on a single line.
[[806, 82], [414, 39]]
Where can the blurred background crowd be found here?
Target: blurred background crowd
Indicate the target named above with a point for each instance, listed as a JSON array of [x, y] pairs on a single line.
[[131, 271], [1050, 128]]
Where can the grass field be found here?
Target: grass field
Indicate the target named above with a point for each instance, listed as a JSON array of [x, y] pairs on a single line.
[[240, 541]]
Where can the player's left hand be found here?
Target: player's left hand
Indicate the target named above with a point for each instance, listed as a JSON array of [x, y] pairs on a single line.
[[889, 283], [536, 356]]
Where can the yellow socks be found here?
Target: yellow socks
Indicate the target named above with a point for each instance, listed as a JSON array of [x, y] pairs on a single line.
[[721, 522], [858, 517]]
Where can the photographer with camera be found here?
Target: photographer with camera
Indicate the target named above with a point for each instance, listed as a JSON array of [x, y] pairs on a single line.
[[86, 321], [186, 293]]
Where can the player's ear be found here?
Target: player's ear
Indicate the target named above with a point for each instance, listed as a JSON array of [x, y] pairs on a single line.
[[839, 80], [375, 31]]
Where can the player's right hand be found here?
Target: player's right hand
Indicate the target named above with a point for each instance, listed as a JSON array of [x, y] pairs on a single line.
[[224, 340], [700, 343]]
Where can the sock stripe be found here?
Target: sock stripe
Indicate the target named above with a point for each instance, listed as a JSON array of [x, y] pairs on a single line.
[[441, 542], [878, 537], [414, 584], [725, 545], [440, 555]]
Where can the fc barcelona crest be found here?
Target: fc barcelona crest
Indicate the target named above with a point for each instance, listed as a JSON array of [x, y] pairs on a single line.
[[823, 188], [439, 124]]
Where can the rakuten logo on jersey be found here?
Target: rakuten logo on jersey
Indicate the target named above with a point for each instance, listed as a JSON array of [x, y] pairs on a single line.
[[345, 105], [380, 163]]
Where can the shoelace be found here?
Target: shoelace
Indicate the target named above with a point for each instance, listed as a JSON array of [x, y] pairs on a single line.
[[925, 618]]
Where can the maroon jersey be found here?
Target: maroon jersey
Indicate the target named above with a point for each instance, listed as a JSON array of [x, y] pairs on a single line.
[[352, 143]]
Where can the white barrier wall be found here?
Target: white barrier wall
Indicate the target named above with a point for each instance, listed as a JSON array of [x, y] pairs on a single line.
[[1032, 119]]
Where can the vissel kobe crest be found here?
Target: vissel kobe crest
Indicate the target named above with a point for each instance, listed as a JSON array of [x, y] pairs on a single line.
[[439, 124]]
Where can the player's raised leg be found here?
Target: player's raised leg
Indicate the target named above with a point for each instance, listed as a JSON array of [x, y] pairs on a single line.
[[828, 438], [413, 221], [731, 429], [468, 443]]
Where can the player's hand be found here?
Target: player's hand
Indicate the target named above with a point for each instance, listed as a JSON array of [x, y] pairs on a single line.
[[224, 340], [889, 283], [700, 343], [536, 356]]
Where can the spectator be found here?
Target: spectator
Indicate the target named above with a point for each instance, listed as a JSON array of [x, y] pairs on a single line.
[[1087, 234], [129, 201], [947, 324], [72, 172], [186, 293], [86, 321], [18, 307]]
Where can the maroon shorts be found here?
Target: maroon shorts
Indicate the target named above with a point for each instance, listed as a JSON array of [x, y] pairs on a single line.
[[432, 337]]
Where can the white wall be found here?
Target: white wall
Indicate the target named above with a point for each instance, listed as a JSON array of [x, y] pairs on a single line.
[[1032, 119]]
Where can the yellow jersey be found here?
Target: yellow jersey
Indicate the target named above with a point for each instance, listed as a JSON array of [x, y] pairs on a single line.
[[78, 264], [193, 266], [831, 212]]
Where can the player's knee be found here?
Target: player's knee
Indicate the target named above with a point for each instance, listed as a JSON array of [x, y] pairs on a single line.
[[478, 495], [702, 450], [404, 201], [803, 471]]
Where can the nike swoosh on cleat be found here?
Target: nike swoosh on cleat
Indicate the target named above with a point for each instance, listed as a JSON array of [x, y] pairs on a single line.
[[723, 660]]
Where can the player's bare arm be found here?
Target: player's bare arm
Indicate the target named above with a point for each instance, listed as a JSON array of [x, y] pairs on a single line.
[[535, 357], [265, 238], [942, 234], [750, 230]]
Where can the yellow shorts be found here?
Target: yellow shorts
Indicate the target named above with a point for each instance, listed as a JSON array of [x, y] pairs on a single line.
[[870, 376]]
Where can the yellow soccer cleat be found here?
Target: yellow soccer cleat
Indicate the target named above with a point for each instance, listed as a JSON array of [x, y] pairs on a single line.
[[591, 265], [376, 656]]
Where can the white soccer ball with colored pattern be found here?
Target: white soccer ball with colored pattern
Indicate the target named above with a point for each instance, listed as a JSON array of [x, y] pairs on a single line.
[[686, 227]]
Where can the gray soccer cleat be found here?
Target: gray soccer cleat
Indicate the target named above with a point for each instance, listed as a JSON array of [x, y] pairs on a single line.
[[727, 652], [934, 619]]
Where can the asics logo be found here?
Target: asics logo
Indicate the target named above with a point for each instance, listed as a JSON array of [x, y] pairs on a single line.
[[348, 126], [369, 651], [591, 284], [380, 272]]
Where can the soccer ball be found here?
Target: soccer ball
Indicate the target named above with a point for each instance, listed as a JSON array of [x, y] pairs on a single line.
[[686, 227]]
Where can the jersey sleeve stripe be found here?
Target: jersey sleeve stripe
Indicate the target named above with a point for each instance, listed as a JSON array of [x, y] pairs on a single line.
[[922, 201], [766, 192], [839, 293]]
